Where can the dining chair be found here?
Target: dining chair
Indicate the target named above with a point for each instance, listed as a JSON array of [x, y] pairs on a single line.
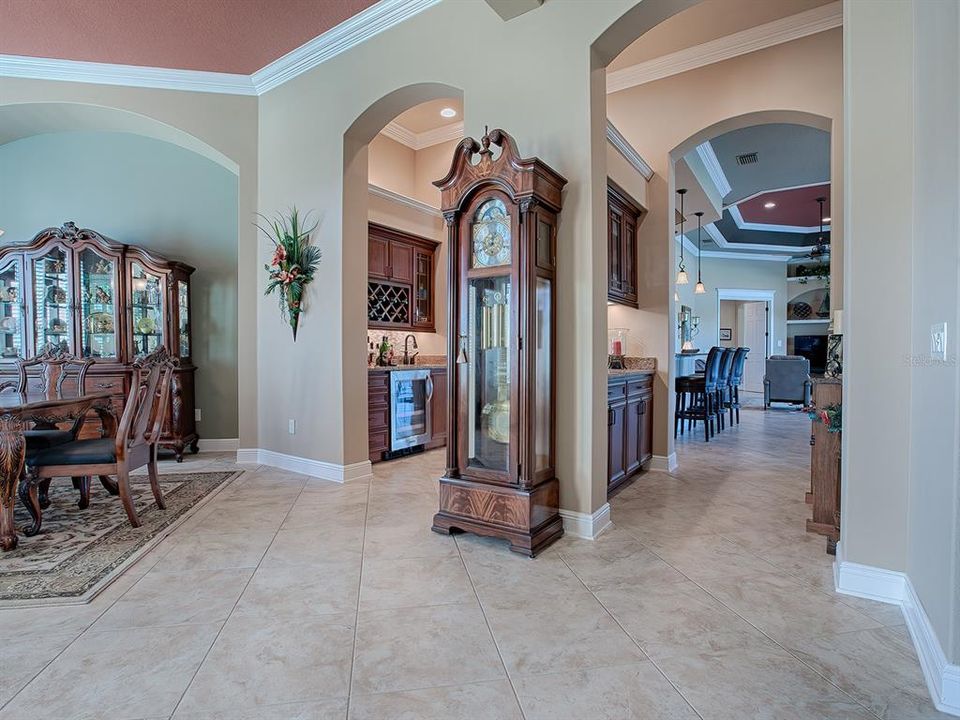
[[134, 446], [54, 367]]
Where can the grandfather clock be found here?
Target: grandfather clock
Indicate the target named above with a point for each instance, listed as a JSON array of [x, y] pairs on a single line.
[[501, 214]]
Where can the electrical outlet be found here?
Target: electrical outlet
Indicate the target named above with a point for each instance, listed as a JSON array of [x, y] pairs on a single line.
[[938, 341], [292, 426], [197, 415]]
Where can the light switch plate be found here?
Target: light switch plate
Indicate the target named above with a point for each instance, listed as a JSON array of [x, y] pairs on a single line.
[[197, 415], [292, 426], [938, 341]]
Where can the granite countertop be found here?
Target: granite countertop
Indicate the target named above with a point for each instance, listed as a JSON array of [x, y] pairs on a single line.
[[624, 373], [418, 366]]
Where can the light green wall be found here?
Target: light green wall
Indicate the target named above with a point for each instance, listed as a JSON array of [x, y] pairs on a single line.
[[147, 192]]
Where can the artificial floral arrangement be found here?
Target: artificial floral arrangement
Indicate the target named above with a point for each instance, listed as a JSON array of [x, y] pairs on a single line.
[[293, 265], [831, 416]]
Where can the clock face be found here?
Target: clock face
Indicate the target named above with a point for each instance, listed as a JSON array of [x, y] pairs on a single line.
[[491, 235]]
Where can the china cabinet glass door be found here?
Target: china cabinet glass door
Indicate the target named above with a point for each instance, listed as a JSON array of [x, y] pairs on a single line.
[[183, 325], [146, 309], [11, 311], [53, 307], [98, 306]]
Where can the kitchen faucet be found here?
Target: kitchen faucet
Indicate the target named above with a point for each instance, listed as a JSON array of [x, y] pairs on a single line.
[[407, 360]]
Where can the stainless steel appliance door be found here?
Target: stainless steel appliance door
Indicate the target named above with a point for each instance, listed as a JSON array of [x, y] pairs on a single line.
[[410, 417]]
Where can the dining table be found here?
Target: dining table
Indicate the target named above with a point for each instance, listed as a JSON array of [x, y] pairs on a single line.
[[20, 411]]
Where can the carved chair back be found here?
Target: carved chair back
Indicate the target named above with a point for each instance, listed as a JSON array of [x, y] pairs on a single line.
[[47, 371], [143, 413]]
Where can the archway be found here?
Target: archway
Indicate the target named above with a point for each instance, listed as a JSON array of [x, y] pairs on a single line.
[[356, 140], [143, 182]]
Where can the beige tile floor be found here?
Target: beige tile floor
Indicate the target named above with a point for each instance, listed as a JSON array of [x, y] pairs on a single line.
[[289, 598]]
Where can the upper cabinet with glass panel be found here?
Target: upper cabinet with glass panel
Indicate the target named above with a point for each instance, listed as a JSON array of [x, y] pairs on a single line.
[[183, 325], [146, 304], [99, 315], [11, 310], [53, 307], [492, 241]]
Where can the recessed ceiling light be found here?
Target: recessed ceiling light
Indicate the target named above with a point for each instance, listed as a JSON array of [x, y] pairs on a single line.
[[448, 113], [769, 205], [826, 219]]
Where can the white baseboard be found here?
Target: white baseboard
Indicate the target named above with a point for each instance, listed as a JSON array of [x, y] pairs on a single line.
[[219, 444], [584, 525], [306, 466], [943, 679], [873, 583], [664, 463]]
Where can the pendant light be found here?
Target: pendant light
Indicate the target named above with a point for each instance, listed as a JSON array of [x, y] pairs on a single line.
[[700, 289], [682, 278], [821, 245]]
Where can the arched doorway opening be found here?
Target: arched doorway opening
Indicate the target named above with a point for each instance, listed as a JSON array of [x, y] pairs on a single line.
[[142, 182], [403, 129]]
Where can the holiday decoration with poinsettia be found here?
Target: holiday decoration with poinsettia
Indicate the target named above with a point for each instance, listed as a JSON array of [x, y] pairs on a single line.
[[293, 265]]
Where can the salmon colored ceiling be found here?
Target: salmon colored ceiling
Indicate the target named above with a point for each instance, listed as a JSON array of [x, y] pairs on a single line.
[[796, 207], [233, 36]]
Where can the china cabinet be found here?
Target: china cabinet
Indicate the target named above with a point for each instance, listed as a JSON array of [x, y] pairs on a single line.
[[501, 214], [104, 300], [400, 280]]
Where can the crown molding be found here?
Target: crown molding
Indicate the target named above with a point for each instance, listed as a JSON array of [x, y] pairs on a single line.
[[419, 141], [629, 153], [765, 227], [712, 165], [351, 32], [714, 232], [794, 27], [32, 68], [765, 257], [405, 201]]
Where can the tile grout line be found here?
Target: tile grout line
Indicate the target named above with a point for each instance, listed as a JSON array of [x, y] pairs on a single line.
[[94, 621], [236, 602], [632, 639], [356, 615], [493, 637], [759, 630]]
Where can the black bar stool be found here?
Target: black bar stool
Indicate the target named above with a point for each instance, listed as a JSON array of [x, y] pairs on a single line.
[[697, 397]]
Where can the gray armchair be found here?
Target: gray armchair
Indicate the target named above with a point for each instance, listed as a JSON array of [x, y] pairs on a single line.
[[787, 380]]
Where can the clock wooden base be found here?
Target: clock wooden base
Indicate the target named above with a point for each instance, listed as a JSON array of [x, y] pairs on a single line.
[[529, 519]]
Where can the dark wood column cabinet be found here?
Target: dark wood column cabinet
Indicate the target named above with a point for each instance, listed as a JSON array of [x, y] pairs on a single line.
[[438, 409], [629, 426], [101, 299], [623, 219], [400, 284], [824, 493]]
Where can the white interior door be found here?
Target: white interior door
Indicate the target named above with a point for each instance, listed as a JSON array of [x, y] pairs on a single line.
[[753, 335]]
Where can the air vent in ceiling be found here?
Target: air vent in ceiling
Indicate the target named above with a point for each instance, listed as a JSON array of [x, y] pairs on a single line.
[[747, 159]]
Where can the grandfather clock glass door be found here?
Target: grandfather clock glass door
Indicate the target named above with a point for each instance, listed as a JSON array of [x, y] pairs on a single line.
[[488, 328]]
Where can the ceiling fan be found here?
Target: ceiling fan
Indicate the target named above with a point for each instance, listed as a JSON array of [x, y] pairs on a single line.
[[821, 250]]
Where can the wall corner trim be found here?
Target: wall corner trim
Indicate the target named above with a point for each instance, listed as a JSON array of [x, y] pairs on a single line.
[[629, 153], [793, 27], [320, 469], [585, 525], [889, 586], [664, 463]]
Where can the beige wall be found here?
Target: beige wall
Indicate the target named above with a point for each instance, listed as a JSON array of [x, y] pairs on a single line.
[[298, 121], [902, 505], [392, 166], [227, 125]]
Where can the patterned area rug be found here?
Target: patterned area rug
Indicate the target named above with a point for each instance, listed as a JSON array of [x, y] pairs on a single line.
[[80, 552]]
